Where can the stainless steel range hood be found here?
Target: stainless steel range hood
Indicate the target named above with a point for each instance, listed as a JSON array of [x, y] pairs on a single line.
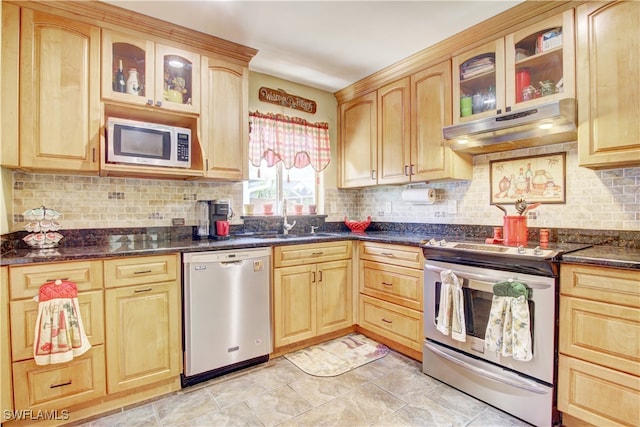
[[543, 124]]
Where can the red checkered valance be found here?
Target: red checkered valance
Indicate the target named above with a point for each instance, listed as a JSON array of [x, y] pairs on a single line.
[[290, 140]]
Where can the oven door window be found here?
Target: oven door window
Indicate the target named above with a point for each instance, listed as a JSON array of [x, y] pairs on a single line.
[[477, 306], [142, 142]]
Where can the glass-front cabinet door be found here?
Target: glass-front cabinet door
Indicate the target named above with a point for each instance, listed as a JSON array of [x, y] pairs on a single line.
[[138, 71], [531, 66], [478, 76], [540, 65], [127, 67], [177, 81]]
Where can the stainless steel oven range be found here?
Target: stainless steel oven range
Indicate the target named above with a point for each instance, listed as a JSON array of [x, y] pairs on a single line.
[[525, 389]]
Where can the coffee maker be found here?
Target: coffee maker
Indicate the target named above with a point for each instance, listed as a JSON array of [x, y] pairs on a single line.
[[210, 211]]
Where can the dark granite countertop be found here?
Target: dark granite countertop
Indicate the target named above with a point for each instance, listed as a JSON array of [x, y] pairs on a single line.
[[596, 255], [132, 248], [606, 256]]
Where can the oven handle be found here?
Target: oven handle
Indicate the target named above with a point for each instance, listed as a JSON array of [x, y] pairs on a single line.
[[520, 383], [485, 278]]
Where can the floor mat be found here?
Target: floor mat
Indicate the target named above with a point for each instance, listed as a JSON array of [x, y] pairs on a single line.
[[337, 356]]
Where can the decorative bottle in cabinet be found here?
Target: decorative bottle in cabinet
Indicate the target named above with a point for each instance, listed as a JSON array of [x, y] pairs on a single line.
[[120, 84]]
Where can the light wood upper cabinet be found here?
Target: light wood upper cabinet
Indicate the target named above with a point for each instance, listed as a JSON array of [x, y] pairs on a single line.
[[358, 141], [431, 159], [479, 73], [59, 93], [10, 84], [550, 60], [395, 137], [225, 119], [495, 75], [393, 151], [608, 84], [166, 77]]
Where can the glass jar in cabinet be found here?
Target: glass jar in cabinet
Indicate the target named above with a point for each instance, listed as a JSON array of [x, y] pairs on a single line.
[[540, 65], [141, 72], [478, 82]]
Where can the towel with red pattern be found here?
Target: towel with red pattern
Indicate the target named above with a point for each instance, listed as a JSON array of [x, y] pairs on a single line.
[[59, 333]]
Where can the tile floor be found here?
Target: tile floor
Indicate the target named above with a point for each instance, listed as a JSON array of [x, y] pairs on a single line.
[[391, 391]]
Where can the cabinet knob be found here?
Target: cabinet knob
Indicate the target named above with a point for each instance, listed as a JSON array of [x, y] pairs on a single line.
[[149, 101], [158, 103]]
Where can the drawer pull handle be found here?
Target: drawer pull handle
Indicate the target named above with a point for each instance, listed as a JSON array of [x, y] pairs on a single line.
[[320, 274], [386, 321], [137, 291], [53, 280], [317, 253], [142, 272], [387, 284], [61, 384], [389, 254]]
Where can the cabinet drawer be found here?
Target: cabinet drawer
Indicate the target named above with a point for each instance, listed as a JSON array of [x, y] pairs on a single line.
[[62, 385], [24, 314], [405, 256], [285, 256], [614, 285], [399, 285], [140, 270], [397, 323], [598, 395], [25, 281], [602, 333]]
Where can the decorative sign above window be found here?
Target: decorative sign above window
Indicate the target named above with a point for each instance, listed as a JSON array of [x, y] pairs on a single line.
[[280, 97]]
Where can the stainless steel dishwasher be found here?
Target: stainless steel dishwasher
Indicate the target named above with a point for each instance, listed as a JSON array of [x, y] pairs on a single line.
[[227, 311]]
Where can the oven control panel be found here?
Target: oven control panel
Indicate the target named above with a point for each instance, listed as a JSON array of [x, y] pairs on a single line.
[[520, 250]]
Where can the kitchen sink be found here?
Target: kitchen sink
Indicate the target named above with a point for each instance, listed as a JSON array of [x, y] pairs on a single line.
[[291, 236]]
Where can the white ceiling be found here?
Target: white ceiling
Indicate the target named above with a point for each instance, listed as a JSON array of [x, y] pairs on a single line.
[[325, 44]]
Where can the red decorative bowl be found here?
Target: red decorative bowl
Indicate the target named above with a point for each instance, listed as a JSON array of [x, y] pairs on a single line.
[[357, 226]]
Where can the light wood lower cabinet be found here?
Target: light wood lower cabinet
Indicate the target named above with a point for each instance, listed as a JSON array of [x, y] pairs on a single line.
[[311, 299], [398, 323], [143, 328], [24, 315], [391, 294], [599, 345], [6, 381], [60, 385], [134, 326]]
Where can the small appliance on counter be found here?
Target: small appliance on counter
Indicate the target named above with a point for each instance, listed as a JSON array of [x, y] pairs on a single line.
[[213, 219]]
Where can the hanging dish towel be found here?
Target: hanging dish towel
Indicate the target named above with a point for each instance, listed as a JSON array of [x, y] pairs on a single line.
[[451, 313], [59, 333], [508, 329]]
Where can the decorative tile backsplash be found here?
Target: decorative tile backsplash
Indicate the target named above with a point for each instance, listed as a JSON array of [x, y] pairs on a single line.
[[601, 200]]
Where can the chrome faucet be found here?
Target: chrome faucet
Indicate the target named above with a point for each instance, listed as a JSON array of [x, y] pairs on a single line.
[[286, 226]]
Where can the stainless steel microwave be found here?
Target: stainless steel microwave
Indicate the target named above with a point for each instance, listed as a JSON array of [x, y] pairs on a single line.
[[141, 143]]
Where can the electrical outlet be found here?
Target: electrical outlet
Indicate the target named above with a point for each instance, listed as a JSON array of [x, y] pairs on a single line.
[[333, 207], [452, 207], [532, 215], [387, 207]]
